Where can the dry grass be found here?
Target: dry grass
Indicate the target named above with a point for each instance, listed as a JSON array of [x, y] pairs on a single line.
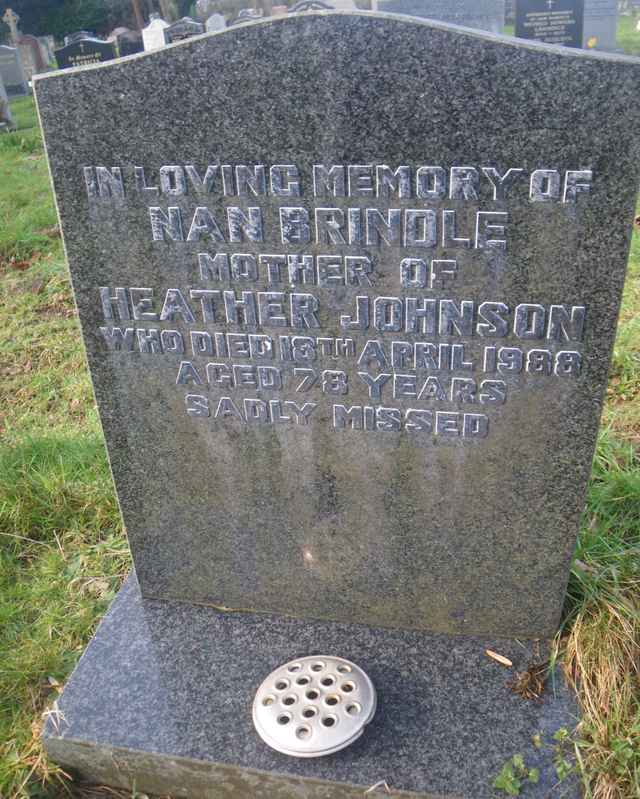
[[602, 660]]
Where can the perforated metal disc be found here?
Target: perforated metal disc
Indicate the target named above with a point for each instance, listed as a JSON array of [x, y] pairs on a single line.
[[314, 706]]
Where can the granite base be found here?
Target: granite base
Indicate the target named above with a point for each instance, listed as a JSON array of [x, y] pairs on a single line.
[[161, 701]]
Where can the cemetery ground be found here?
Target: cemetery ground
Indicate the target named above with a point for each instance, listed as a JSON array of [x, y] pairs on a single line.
[[63, 554]]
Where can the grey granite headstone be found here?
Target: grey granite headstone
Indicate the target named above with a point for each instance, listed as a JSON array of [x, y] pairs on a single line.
[[404, 436], [348, 296], [600, 24], [11, 72], [486, 15]]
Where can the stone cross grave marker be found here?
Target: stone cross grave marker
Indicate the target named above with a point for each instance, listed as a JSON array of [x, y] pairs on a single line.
[[350, 377], [11, 19]]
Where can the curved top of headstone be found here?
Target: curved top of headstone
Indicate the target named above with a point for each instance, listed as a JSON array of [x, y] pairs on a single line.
[[358, 19], [247, 15], [418, 452], [70, 38], [310, 5], [187, 23]]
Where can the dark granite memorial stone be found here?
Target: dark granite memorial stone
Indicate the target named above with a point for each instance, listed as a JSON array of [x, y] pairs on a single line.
[[184, 28], [162, 700], [345, 371], [84, 51], [551, 21]]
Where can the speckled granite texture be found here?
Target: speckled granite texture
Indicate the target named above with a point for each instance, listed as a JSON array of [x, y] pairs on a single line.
[[163, 696], [397, 529]]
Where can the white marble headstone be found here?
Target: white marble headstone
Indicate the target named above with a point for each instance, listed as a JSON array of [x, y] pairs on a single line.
[[216, 22], [153, 34]]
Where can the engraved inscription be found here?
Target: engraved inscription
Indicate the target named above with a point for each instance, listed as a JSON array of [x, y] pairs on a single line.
[[335, 293]]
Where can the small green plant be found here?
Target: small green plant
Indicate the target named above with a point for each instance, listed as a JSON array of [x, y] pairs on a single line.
[[514, 774], [563, 744]]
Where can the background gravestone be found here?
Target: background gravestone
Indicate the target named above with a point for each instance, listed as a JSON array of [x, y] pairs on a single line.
[[216, 22], [153, 35], [47, 45], [483, 14], [81, 52], [11, 72], [129, 43], [33, 59], [350, 379], [6, 120], [555, 22], [600, 24], [77, 36], [183, 29]]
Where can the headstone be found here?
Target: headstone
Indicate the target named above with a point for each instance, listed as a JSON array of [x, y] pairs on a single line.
[[11, 72], [84, 51], [11, 19], [34, 60], [600, 24], [484, 14], [6, 120], [47, 45], [349, 331], [153, 35], [510, 12], [78, 36], [184, 28], [551, 21], [252, 15], [216, 22], [310, 5], [130, 43]]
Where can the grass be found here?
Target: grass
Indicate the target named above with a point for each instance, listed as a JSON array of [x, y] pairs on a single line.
[[628, 37], [62, 549], [62, 552]]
